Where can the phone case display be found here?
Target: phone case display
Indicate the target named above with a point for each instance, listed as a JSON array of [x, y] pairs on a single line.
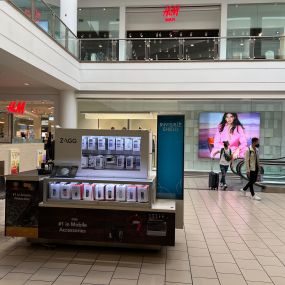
[[119, 144], [121, 191], [111, 152], [88, 191], [111, 143], [142, 192], [100, 192], [76, 191], [129, 162], [110, 192], [99, 162], [128, 144], [92, 143], [131, 193], [102, 144], [54, 190], [84, 145], [65, 192], [121, 161], [136, 144]]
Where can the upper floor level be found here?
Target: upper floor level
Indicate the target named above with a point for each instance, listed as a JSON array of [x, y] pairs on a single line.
[[231, 54]]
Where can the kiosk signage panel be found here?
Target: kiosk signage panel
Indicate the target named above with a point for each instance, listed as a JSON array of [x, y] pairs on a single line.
[[170, 156]]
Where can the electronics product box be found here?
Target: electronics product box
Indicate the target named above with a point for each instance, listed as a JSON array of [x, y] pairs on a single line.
[[99, 162], [84, 162], [129, 162], [111, 143], [128, 144], [142, 192], [110, 192], [84, 145], [136, 144], [91, 161], [121, 192], [100, 192], [88, 192], [131, 193], [92, 143], [119, 144], [120, 161], [65, 192], [54, 190], [102, 144], [138, 162], [76, 191]]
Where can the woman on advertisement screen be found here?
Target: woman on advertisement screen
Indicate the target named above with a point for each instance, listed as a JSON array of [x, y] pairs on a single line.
[[230, 129]]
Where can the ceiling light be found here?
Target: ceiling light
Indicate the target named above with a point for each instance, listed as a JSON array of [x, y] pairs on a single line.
[[26, 84], [79, 9], [104, 9], [192, 45]]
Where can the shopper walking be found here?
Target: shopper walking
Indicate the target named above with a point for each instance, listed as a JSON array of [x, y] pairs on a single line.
[[225, 160], [252, 167]]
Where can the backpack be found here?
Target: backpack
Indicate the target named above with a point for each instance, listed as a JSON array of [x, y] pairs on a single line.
[[228, 157]]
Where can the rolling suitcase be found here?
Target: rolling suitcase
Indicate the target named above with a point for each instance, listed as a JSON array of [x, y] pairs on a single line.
[[213, 179]]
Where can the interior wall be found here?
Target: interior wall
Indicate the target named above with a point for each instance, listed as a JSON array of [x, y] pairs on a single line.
[[272, 128]]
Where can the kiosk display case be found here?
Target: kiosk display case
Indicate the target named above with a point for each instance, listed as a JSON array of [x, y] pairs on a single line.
[[111, 199]]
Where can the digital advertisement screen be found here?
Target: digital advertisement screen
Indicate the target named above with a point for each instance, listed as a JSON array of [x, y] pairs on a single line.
[[236, 128]]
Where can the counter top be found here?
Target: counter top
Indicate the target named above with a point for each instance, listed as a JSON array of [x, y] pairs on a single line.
[[31, 175]]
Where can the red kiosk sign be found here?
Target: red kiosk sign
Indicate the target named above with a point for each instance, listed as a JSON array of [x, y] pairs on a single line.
[[170, 13], [15, 107]]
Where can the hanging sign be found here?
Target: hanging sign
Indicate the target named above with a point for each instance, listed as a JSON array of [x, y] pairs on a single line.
[[170, 13], [18, 108]]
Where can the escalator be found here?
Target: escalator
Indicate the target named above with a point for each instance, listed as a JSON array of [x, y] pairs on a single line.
[[271, 177]]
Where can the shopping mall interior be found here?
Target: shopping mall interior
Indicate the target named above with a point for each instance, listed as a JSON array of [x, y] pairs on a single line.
[[113, 122]]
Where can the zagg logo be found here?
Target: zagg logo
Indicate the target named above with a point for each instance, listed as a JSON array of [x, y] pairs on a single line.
[[67, 140]]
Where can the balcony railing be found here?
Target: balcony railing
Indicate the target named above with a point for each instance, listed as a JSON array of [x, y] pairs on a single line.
[[151, 49]]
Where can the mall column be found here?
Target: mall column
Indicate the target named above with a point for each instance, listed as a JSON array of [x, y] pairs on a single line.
[[68, 110], [68, 14]]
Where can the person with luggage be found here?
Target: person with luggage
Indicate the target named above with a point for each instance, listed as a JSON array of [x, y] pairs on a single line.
[[252, 167], [225, 160]]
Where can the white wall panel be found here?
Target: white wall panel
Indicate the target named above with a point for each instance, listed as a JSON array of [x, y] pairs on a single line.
[[28, 44]]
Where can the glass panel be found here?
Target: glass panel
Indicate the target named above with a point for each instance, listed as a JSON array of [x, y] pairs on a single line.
[[72, 45], [99, 50], [165, 49], [59, 32], [100, 22], [24, 5], [5, 127], [136, 49], [198, 49], [239, 48], [43, 16]]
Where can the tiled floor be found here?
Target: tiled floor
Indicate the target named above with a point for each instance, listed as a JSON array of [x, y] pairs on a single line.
[[228, 240]]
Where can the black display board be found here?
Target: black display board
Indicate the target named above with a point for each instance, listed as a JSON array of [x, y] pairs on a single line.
[[21, 210]]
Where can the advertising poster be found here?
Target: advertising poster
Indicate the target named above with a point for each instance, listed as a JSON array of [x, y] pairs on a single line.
[[170, 156], [21, 213], [41, 157], [14, 161], [236, 128]]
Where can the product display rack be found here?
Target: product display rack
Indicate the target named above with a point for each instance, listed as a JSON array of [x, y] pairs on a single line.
[[100, 203]]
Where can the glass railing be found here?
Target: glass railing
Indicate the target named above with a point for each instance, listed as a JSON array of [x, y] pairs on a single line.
[[151, 49], [45, 18], [186, 49], [272, 171]]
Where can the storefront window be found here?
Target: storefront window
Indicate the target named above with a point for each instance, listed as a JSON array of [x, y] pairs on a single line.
[[5, 127], [30, 126], [264, 21]]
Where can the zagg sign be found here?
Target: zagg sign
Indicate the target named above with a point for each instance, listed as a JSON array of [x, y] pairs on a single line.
[[170, 13], [18, 108]]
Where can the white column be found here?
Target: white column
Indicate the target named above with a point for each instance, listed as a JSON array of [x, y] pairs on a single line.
[[122, 33], [68, 110], [223, 31], [68, 14]]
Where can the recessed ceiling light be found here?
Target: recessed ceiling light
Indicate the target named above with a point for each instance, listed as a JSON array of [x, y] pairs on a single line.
[[26, 84], [79, 9], [104, 9]]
